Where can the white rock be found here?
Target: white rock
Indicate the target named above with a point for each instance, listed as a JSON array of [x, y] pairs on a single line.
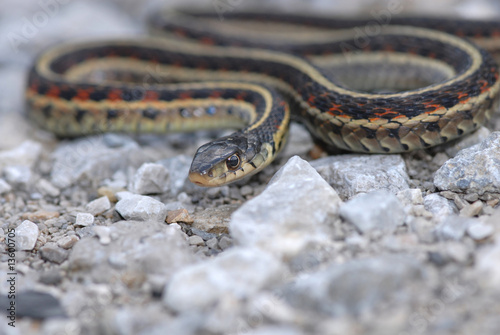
[[411, 196], [295, 212], [439, 206], [26, 235], [379, 210], [27, 154], [353, 174], [84, 219], [238, 272], [4, 186], [472, 170], [91, 160], [103, 233], [150, 178], [479, 231], [140, 208], [98, 206], [19, 175]]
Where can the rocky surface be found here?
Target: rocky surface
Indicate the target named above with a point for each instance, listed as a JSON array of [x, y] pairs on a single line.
[[108, 235]]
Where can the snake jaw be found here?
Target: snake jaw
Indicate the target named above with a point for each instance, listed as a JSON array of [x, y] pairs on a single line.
[[210, 164]]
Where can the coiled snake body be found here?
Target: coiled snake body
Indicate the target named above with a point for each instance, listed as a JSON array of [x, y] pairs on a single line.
[[398, 88]]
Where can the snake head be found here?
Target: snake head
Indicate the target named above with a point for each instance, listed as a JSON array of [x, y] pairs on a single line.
[[225, 160]]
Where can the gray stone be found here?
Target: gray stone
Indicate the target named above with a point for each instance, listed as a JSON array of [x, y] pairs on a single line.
[[294, 213], [473, 170], [196, 240], [27, 154], [379, 210], [90, 160], [439, 206], [239, 272], [140, 208], [26, 235], [225, 242], [98, 206], [28, 304], [352, 174], [85, 219], [150, 179], [52, 253], [212, 243], [356, 288], [4, 186], [67, 242]]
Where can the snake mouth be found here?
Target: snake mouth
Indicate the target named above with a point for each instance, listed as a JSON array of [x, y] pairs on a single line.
[[199, 179]]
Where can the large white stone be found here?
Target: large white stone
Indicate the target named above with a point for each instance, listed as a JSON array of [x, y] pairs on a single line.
[[293, 214]]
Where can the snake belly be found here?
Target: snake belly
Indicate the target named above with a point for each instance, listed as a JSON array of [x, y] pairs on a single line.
[[200, 74]]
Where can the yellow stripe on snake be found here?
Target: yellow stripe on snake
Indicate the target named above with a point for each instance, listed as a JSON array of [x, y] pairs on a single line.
[[403, 87]]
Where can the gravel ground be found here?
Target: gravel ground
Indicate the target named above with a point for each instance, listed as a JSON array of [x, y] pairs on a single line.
[[110, 238]]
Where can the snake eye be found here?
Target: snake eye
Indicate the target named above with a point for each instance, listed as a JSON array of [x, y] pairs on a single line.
[[233, 162]]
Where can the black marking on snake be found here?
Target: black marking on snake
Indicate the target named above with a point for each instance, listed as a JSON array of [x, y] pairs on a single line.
[[150, 113], [112, 114], [79, 115]]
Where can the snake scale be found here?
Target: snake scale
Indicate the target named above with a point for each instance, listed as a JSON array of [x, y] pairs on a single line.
[[407, 84]]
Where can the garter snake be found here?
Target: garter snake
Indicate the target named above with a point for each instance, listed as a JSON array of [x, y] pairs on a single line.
[[252, 71]]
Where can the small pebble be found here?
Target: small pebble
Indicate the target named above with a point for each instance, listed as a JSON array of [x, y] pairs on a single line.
[[150, 179], [103, 233], [98, 206], [41, 215], [225, 242], [110, 192], [480, 231], [472, 210], [196, 240], [26, 235], [179, 215], [67, 242], [52, 253], [84, 219], [139, 207], [212, 243], [471, 197]]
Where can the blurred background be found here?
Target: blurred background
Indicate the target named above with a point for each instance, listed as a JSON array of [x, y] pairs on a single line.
[[29, 26]]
